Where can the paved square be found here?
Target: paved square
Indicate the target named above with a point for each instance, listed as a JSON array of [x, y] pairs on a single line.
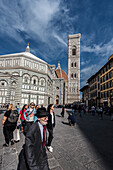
[[86, 146]]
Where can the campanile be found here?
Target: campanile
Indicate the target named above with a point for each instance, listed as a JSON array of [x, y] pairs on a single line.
[[74, 68]]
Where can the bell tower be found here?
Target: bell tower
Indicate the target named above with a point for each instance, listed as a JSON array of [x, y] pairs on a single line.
[[74, 68]]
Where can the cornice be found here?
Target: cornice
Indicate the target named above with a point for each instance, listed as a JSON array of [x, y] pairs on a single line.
[[20, 67]]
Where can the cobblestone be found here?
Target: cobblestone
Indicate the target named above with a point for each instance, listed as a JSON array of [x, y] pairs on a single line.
[[86, 146]]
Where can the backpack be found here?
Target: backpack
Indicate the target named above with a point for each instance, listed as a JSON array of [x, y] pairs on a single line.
[[13, 118]]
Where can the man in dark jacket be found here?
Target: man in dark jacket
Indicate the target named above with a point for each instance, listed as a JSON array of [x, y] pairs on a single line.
[[33, 155]]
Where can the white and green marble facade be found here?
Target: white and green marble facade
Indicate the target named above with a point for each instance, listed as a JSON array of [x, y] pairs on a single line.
[[25, 78]]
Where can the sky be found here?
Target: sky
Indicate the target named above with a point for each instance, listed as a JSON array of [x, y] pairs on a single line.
[[46, 24]]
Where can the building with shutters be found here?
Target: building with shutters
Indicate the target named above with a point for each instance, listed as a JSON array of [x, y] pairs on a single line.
[[99, 91]]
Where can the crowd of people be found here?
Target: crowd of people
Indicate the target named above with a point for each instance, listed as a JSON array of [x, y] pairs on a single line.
[[35, 122], [93, 110]]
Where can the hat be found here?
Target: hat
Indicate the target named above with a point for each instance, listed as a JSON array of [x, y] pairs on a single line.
[[41, 112]]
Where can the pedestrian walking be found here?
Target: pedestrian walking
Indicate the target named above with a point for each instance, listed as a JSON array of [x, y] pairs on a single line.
[[33, 155], [9, 124], [80, 110], [84, 109], [93, 110], [21, 117], [50, 126], [100, 112], [30, 116], [63, 110]]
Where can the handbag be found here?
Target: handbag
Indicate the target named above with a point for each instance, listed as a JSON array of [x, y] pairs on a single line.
[[16, 135]]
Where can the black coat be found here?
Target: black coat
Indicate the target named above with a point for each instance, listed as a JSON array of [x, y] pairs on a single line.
[[50, 125], [29, 157]]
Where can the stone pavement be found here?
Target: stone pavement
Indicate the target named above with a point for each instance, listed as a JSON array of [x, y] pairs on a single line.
[[86, 146]]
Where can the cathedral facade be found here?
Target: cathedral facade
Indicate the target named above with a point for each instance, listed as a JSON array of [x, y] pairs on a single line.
[[25, 78]]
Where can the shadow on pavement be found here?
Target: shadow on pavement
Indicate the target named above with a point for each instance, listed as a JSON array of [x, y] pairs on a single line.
[[100, 134], [65, 123], [58, 116]]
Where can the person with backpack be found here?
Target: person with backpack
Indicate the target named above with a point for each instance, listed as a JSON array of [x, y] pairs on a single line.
[[21, 117], [9, 124]]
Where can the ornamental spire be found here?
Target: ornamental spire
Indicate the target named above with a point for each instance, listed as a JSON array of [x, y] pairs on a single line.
[[28, 48], [59, 65]]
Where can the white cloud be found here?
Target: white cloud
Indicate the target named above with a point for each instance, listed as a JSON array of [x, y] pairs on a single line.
[[38, 17], [60, 39], [10, 20], [87, 72], [32, 17], [100, 49], [37, 20], [83, 83], [103, 50], [84, 62], [88, 39]]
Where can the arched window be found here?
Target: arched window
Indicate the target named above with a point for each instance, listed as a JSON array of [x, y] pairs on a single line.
[[25, 79], [75, 75], [42, 82], [75, 64], [71, 64], [72, 75], [34, 81], [74, 50]]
